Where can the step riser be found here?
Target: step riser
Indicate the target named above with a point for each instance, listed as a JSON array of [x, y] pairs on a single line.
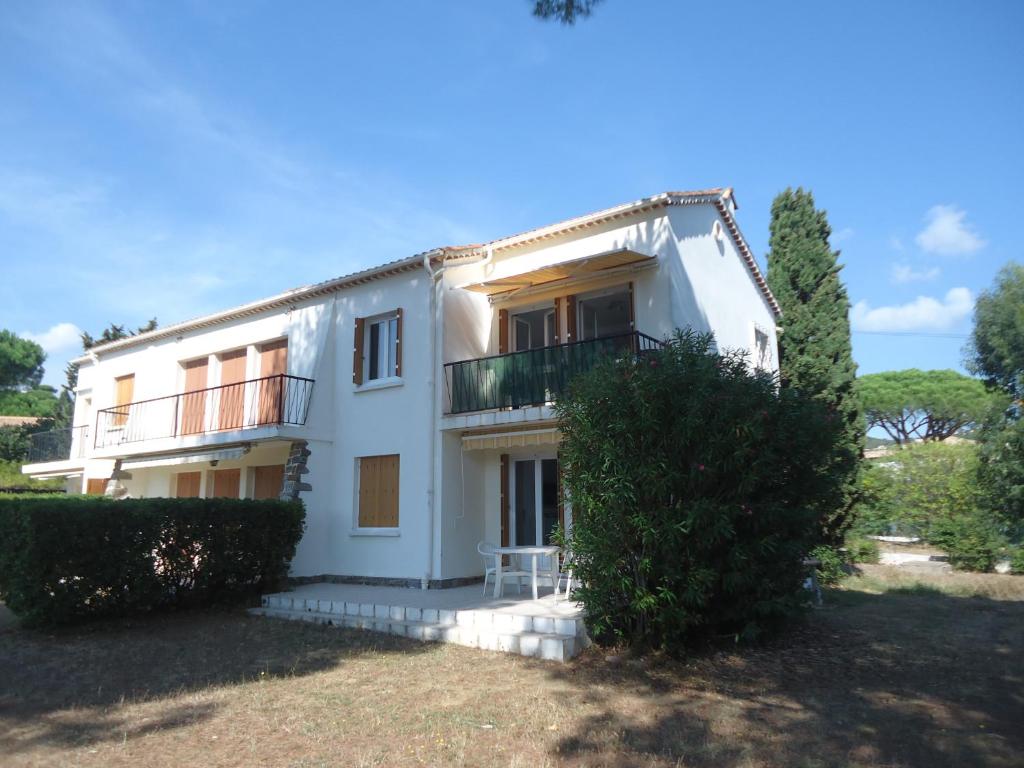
[[550, 647], [503, 623]]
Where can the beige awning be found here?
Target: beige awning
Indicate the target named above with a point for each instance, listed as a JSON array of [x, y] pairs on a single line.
[[584, 267], [524, 438]]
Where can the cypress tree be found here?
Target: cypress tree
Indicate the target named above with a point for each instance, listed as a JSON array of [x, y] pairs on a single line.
[[815, 352]]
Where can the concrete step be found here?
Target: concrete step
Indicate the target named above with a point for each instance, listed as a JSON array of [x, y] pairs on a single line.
[[433, 625]]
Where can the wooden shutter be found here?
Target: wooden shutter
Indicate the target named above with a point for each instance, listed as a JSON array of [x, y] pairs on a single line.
[[268, 481], [226, 483], [378, 491], [96, 486], [503, 340], [193, 405], [506, 498], [357, 353], [231, 393], [273, 363], [186, 485], [398, 343], [558, 319], [125, 391], [570, 318]]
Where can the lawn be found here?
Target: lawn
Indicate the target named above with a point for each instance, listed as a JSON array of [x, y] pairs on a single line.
[[895, 670]]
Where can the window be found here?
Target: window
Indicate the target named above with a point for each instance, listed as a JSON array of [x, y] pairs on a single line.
[[225, 483], [606, 314], [533, 329], [378, 347], [186, 485], [268, 481], [762, 350], [377, 492]]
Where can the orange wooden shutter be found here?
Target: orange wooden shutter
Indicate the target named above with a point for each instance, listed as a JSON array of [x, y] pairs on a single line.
[[503, 341], [378, 491], [357, 354], [558, 319], [226, 483], [193, 403], [96, 486], [273, 363], [232, 389], [570, 318], [268, 481], [186, 485], [125, 392], [398, 344], [505, 500]]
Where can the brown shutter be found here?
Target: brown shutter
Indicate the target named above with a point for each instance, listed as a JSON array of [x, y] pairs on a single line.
[[125, 392], [357, 354], [231, 393], [186, 485], [502, 331], [226, 483], [398, 345], [193, 405], [632, 309], [96, 486], [268, 481], [570, 318], [273, 363], [505, 500], [558, 319], [378, 491]]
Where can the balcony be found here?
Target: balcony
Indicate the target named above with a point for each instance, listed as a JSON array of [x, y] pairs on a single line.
[[269, 401], [534, 376], [57, 444]]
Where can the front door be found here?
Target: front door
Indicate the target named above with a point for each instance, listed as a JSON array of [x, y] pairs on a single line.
[[535, 507]]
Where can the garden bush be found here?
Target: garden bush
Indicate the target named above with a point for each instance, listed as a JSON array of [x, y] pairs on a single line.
[[69, 558], [831, 566], [862, 550], [1017, 560], [697, 490], [971, 540]]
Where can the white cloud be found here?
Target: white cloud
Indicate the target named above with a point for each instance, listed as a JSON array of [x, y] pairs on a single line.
[[901, 274], [58, 338], [924, 313], [842, 235], [895, 243], [947, 232]]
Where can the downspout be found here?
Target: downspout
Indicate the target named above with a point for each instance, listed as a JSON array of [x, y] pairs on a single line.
[[432, 436]]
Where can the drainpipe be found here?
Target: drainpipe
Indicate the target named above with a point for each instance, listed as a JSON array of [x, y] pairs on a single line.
[[434, 325]]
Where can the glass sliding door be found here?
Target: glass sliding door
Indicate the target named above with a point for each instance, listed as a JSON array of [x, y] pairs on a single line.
[[535, 501]]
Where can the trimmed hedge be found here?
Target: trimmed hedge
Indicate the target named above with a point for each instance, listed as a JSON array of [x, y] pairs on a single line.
[[74, 558]]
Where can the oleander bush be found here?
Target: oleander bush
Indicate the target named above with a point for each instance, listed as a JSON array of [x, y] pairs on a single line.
[[697, 490], [862, 550], [65, 559]]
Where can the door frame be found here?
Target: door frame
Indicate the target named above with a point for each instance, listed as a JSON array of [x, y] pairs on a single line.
[[538, 489]]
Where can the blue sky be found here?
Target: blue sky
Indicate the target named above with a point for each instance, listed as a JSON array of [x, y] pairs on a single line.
[[171, 159]]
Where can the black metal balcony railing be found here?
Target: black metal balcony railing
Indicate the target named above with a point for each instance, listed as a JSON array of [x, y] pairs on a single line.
[[57, 444], [272, 400], [534, 376]]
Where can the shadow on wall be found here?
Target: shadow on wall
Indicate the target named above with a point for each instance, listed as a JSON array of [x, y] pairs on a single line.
[[886, 680], [670, 284]]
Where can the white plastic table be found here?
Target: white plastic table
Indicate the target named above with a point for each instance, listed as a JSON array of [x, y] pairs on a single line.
[[533, 553]]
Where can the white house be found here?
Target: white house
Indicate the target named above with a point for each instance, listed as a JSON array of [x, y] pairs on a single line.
[[408, 405]]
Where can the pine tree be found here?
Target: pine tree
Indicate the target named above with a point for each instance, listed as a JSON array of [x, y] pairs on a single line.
[[815, 352]]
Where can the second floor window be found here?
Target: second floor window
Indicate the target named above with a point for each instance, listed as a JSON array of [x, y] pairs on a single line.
[[378, 347]]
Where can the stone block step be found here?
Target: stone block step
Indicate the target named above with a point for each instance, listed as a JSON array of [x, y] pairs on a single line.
[[446, 629]]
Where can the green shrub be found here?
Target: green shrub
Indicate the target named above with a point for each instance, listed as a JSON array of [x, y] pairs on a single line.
[[697, 490], [862, 550], [917, 490], [1001, 470], [971, 540], [831, 565], [1017, 560], [69, 558]]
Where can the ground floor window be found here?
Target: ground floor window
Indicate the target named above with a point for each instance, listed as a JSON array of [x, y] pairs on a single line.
[[377, 493], [226, 483], [267, 481], [186, 485], [535, 502]]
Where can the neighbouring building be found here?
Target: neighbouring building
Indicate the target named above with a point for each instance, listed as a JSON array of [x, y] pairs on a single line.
[[409, 405]]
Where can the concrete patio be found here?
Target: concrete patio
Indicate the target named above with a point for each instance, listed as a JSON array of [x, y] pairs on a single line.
[[550, 627]]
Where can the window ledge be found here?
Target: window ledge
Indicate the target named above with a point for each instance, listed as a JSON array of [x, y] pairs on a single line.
[[391, 381], [393, 532]]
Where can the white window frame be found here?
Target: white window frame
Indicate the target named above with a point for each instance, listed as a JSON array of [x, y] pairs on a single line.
[[583, 298], [387, 350]]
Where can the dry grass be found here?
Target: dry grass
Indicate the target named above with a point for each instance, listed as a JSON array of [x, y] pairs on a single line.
[[904, 677]]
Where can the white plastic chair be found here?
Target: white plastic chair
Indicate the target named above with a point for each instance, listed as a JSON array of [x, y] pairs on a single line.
[[565, 573], [486, 550]]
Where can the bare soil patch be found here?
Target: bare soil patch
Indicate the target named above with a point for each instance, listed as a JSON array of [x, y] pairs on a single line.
[[887, 674]]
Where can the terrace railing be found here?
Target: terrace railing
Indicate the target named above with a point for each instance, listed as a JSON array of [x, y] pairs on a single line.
[[57, 444], [534, 376], [271, 400]]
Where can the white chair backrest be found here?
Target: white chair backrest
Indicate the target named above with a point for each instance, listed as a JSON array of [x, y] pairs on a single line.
[[486, 549]]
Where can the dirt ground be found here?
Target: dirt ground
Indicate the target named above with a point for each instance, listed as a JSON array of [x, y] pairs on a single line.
[[895, 670]]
